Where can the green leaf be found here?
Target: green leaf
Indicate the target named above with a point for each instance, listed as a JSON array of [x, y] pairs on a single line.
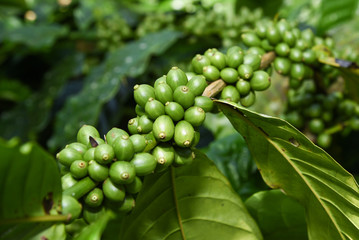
[[290, 161], [13, 90], [190, 202], [31, 230], [351, 77], [277, 215], [36, 36], [104, 82], [30, 188], [333, 12], [232, 157]]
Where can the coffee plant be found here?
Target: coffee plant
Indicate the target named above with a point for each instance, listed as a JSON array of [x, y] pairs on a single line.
[[181, 145]]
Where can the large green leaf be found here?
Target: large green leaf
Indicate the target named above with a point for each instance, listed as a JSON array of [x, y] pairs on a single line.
[[189, 202], [333, 12], [290, 161], [36, 36], [277, 215], [104, 82], [232, 157], [30, 188], [33, 231]]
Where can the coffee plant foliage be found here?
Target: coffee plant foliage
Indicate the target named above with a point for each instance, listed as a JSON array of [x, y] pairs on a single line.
[[164, 120]]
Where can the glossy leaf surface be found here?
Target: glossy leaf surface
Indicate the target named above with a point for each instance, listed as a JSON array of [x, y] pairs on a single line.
[[190, 202], [290, 161]]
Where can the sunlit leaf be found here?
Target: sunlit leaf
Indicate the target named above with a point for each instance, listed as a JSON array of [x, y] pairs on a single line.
[[277, 215], [189, 202], [290, 161]]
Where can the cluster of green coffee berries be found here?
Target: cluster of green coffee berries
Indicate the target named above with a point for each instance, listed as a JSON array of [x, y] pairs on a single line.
[[311, 107], [112, 32], [100, 173], [239, 69], [154, 22]]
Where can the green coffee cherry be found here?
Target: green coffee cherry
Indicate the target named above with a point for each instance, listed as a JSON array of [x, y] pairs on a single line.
[[104, 154], [163, 93], [71, 207], [92, 214], [174, 110], [230, 93], [245, 71], [295, 55], [251, 39], [235, 58], [135, 186], [301, 44], [260, 30], [297, 33], [164, 155], [243, 87], [211, 73], [113, 192], [218, 60], [128, 204], [196, 139], [184, 134], [282, 49], [289, 38], [114, 133], [94, 198], [196, 85], [308, 35], [154, 108], [273, 35], [309, 56], [94, 142], [316, 125], [133, 125], [144, 163], [139, 142], [123, 148], [203, 102], [140, 111], [195, 115], [295, 118], [122, 172], [78, 169], [144, 124], [282, 26], [176, 77], [260, 81], [233, 49], [160, 80], [183, 156], [298, 71], [85, 132], [229, 75], [294, 83], [67, 181], [68, 155], [256, 50], [324, 140], [253, 60], [248, 100], [89, 154], [97, 171], [183, 96], [81, 148], [142, 93], [282, 65], [200, 61], [163, 128]]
